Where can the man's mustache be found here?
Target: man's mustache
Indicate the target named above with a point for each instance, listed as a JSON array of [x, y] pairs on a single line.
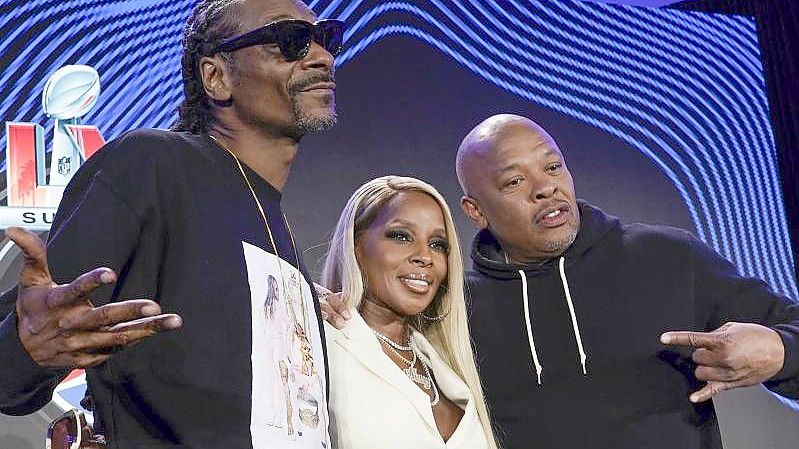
[[310, 81]]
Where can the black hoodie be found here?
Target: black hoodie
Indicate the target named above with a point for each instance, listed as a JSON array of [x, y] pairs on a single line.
[[569, 353]]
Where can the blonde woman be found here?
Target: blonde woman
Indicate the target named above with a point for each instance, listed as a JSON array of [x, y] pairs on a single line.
[[402, 372]]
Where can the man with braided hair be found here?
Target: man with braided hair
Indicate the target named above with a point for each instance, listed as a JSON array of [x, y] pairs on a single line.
[[190, 219]]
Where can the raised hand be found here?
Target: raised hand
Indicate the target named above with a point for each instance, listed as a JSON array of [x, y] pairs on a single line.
[[334, 311], [59, 326], [732, 356]]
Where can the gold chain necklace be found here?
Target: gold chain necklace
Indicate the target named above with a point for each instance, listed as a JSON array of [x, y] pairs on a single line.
[[299, 330]]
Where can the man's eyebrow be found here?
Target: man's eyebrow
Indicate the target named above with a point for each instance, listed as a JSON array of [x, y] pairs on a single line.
[[516, 166], [508, 168], [550, 152]]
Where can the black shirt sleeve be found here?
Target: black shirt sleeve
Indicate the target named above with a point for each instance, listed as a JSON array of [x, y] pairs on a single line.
[[723, 296], [95, 226]]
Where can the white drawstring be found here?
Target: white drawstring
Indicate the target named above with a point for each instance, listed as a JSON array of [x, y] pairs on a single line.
[[583, 357], [538, 367], [575, 327]]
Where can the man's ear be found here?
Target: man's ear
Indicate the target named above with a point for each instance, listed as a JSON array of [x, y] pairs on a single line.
[[472, 210], [216, 78]]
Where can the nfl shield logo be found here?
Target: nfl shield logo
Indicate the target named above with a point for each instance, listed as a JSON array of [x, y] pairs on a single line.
[[63, 166]]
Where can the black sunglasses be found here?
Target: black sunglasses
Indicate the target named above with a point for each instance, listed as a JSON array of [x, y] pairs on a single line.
[[292, 36]]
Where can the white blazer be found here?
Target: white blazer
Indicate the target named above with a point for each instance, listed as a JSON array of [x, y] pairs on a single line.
[[374, 405]]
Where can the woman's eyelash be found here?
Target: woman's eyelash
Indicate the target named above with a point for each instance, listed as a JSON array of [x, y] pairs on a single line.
[[404, 236], [442, 244], [397, 234]]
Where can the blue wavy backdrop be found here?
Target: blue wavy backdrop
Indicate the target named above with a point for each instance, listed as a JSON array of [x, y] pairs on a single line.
[[684, 89]]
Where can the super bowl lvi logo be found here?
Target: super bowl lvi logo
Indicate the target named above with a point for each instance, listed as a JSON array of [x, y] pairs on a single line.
[[34, 189]]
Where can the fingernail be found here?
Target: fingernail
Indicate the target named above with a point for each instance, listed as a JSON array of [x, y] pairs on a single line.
[[346, 314], [150, 310], [173, 322], [107, 277], [693, 398], [665, 339]]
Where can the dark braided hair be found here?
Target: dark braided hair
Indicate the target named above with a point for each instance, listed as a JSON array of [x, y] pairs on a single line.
[[210, 23]]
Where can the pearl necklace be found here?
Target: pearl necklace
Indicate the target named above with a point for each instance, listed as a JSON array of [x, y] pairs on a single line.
[[386, 339], [425, 380]]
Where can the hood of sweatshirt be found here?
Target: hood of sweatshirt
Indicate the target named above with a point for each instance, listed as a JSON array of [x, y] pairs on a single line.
[[489, 259]]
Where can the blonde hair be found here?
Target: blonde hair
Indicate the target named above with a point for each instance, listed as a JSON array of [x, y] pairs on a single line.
[[450, 335]]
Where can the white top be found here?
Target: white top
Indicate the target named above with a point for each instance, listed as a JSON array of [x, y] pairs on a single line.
[[373, 404]]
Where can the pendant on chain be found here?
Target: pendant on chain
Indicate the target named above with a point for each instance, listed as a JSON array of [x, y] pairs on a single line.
[[417, 378]]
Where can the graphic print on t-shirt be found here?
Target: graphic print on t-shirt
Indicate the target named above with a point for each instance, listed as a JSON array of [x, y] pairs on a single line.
[[289, 406]]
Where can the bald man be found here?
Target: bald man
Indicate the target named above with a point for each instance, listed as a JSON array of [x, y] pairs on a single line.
[[582, 322]]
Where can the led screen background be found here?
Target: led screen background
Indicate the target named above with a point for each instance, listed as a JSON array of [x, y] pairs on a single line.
[[683, 90], [662, 114]]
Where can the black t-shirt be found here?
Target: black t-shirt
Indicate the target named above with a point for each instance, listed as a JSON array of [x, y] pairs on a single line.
[[172, 214]]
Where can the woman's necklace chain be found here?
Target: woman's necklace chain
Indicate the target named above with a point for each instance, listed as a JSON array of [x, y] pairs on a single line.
[[436, 397], [424, 380], [396, 348], [386, 339]]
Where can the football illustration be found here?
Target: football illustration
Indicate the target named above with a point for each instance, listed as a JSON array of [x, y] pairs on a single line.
[[71, 92]]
